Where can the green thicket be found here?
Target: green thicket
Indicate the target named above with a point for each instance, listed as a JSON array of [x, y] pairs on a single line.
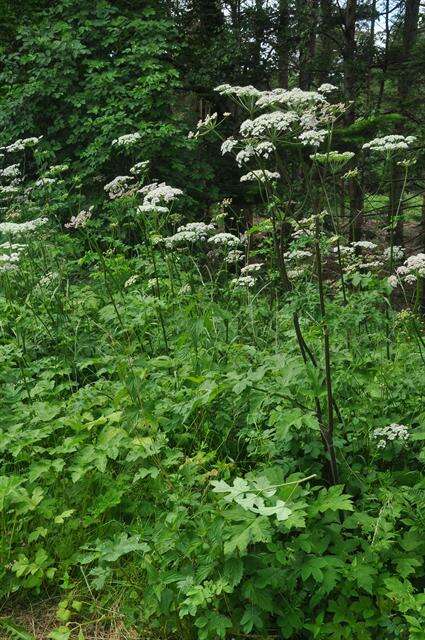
[[185, 452]]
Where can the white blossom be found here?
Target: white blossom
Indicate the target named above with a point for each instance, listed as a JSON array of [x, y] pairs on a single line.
[[155, 193], [391, 433], [19, 228], [390, 143], [243, 281], [249, 269], [22, 143], [397, 253], [139, 167], [268, 124], [80, 220], [412, 268], [262, 175], [44, 182], [189, 233], [118, 186], [234, 256], [364, 244], [326, 87], [127, 140], [228, 145], [313, 137], [12, 171], [292, 99], [237, 91], [132, 279], [149, 208], [225, 240]]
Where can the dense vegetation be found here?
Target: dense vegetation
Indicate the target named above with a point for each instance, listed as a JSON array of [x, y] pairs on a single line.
[[212, 330]]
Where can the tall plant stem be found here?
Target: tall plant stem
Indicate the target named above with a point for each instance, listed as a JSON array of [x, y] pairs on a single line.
[[329, 431]]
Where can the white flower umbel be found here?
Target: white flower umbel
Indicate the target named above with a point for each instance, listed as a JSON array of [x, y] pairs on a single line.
[[262, 149], [225, 240], [21, 144], [298, 254], [397, 253], [228, 146], [260, 175], [392, 281], [249, 269], [132, 279], [189, 234], [12, 171], [386, 144], [313, 137], [9, 190], [364, 244], [80, 220], [150, 208], [127, 140], [392, 433], [118, 186], [19, 228], [268, 124], [234, 256], [327, 87], [412, 268], [155, 193], [243, 281], [139, 167], [293, 99], [45, 182]]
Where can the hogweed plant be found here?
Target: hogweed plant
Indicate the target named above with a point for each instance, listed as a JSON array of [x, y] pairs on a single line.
[[199, 423]]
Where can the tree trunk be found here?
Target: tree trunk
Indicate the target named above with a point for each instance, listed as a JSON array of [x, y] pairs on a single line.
[[283, 44], [354, 187], [325, 45], [307, 26], [406, 78]]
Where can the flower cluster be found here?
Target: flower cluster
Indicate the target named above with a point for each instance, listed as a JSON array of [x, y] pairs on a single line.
[[127, 140], [313, 137], [386, 144], [327, 87], [139, 167], [397, 253], [268, 124], [204, 125], [118, 186], [12, 171], [228, 145], [19, 228], [391, 433], [80, 220], [155, 193], [45, 182], [262, 149], [190, 233], [252, 268], [132, 279], [412, 268], [296, 99], [21, 144], [227, 240], [234, 256], [243, 281], [262, 175]]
